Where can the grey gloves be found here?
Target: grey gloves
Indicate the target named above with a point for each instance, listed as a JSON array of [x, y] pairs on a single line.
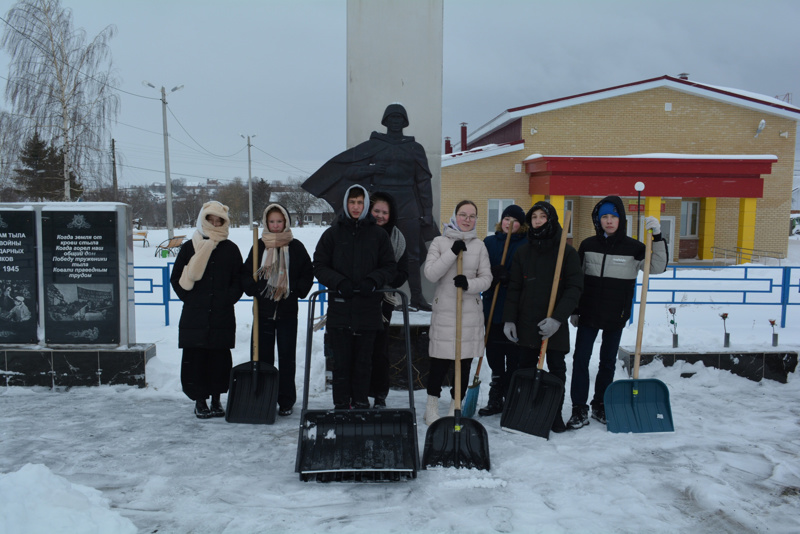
[[548, 327], [510, 330]]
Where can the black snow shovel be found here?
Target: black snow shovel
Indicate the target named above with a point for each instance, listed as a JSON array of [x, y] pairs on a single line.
[[639, 405], [358, 445], [253, 389], [534, 395], [456, 441]]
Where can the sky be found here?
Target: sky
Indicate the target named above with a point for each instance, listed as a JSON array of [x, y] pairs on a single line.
[[275, 69], [119, 459]]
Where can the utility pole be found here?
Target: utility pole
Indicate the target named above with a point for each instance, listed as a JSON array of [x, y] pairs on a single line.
[[114, 170], [168, 189], [249, 178]]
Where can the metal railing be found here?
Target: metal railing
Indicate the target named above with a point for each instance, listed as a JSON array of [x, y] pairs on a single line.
[[746, 255], [731, 285], [155, 289]]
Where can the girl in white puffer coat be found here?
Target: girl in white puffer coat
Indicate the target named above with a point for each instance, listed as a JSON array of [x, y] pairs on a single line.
[[441, 268]]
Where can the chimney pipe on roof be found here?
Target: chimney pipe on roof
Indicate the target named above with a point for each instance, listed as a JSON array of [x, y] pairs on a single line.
[[683, 76], [448, 147], [463, 136]]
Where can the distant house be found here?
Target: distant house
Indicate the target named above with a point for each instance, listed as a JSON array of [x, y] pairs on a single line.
[[717, 163]]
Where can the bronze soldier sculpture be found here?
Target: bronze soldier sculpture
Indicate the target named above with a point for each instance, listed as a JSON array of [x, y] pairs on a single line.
[[396, 164]]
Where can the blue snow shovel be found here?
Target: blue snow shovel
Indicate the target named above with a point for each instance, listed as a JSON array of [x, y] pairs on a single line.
[[639, 405]]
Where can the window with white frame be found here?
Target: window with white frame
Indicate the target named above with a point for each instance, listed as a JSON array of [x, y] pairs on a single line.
[[496, 208], [690, 218]]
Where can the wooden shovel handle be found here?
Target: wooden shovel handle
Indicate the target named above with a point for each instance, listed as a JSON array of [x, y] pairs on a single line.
[[255, 297], [648, 251], [562, 246], [459, 291]]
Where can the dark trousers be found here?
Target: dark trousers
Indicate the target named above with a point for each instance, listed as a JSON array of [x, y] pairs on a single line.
[[415, 249], [556, 361], [502, 356], [438, 371], [205, 372], [283, 330], [380, 382], [584, 342], [352, 366]]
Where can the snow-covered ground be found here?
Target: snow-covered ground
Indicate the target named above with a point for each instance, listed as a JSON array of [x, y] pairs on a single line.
[[120, 459]]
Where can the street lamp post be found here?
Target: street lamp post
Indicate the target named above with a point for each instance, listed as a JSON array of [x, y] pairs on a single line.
[[639, 186], [168, 189], [249, 177]]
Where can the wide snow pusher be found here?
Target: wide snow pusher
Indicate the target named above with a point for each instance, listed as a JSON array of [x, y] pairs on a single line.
[[357, 445]]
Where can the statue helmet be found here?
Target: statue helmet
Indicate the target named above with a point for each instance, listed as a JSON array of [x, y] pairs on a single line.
[[396, 107]]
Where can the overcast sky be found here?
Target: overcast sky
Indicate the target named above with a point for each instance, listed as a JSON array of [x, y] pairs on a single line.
[[276, 68]]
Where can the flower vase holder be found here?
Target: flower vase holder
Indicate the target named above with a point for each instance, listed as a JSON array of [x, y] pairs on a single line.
[[727, 342], [674, 341], [774, 340]]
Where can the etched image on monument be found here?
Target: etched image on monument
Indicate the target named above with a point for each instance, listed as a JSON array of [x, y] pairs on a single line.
[[396, 164], [18, 296], [80, 267]]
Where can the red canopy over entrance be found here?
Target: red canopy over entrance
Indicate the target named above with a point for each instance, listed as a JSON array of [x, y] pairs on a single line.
[[668, 175]]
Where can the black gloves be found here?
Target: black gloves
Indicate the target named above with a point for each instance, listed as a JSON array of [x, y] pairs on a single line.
[[500, 275], [458, 246], [345, 289], [366, 286], [460, 280]]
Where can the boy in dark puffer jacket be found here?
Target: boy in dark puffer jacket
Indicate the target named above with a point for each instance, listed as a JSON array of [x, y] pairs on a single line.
[[611, 262]]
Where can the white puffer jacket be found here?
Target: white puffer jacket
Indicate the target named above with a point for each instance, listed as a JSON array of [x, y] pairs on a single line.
[[440, 268]]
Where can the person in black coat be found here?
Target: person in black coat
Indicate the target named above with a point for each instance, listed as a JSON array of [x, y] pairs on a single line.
[[284, 275], [206, 278], [354, 255], [384, 210]]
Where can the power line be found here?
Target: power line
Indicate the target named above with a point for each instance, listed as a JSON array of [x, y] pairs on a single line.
[[278, 159]]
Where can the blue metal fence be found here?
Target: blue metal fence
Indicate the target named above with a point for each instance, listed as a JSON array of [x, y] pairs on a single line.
[[734, 285], [152, 288]]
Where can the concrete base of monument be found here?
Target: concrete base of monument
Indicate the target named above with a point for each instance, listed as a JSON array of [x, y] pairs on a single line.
[[75, 366], [753, 364]]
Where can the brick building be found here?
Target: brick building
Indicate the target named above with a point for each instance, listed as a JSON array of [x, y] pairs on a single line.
[[717, 163]]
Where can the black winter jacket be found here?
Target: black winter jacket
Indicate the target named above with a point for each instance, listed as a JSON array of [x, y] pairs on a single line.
[[208, 319], [354, 250], [528, 294], [301, 278], [611, 266]]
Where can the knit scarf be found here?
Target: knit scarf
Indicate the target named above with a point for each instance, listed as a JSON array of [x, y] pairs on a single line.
[[196, 266], [275, 259]]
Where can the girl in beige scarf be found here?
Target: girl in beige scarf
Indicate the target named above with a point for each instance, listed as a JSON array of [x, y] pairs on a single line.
[[213, 225], [275, 260]]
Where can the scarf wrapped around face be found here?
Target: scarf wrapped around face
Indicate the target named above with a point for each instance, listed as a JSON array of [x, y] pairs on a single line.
[[205, 240], [275, 259]]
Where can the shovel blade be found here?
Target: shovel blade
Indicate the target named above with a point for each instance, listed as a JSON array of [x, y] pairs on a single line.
[[252, 394], [465, 446], [533, 401], [638, 406]]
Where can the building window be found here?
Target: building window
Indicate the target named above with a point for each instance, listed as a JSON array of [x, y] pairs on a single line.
[[569, 205], [690, 218], [496, 208]]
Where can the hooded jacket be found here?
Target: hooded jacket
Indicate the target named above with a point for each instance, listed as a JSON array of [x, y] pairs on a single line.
[[355, 250], [301, 278], [208, 319], [611, 265], [532, 271], [395, 237], [494, 245]]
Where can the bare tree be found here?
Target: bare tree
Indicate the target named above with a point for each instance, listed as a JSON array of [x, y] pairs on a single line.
[[297, 200], [61, 85]]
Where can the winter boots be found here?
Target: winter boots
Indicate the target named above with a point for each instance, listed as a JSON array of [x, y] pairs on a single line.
[[558, 424], [579, 419], [431, 410], [451, 412], [599, 413], [495, 404], [216, 407], [201, 409]]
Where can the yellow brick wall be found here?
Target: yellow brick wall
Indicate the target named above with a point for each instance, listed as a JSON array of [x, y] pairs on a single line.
[[639, 124]]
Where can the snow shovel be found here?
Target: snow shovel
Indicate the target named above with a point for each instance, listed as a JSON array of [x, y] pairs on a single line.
[[253, 388], [534, 395], [471, 400], [639, 406], [358, 445], [453, 441]]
